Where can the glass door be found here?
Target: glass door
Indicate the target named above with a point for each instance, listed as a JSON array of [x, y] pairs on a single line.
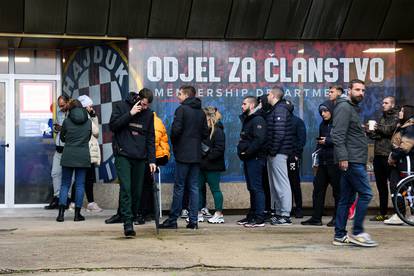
[[34, 145], [3, 143]]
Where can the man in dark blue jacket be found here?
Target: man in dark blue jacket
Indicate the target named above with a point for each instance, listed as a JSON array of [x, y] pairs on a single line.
[[132, 123], [251, 150], [189, 128], [327, 171], [279, 147], [294, 160]]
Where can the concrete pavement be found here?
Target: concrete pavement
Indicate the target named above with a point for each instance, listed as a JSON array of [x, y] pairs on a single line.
[[32, 243]]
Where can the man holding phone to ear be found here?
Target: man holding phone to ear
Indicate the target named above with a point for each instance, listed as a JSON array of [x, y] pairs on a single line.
[[132, 123]]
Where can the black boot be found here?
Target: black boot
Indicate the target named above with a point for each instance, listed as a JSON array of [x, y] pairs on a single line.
[[54, 204], [78, 216], [61, 215], [129, 230]]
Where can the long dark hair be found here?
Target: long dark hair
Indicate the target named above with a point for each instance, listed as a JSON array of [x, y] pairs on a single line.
[[408, 113]]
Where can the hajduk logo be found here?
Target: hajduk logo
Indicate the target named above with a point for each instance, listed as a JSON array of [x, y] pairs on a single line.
[[101, 72]]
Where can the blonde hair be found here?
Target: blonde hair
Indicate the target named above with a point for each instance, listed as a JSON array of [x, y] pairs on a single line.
[[212, 116]]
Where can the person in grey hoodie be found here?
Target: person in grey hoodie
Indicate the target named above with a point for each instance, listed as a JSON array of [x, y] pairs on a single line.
[[351, 152]]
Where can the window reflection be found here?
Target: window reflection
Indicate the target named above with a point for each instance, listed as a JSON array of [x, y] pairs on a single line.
[[35, 61], [4, 61]]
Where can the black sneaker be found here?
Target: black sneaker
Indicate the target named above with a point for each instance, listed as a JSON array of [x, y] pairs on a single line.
[[168, 224], [253, 223], [139, 220], [242, 221], [54, 204], [298, 213], [281, 220], [312, 222], [331, 223], [344, 241], [114, 219], [379, 218], [192, 225]]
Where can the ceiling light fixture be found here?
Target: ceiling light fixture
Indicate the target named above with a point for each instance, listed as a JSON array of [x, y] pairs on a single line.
[[22, 59], [382, 50], [301, 51], [4, 59]]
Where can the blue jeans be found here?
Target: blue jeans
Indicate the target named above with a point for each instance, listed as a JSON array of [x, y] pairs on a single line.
[[80, 174], [186, 174], [253, 170], [353, 181]]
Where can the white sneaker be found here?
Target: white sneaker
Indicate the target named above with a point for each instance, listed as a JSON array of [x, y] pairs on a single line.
[[72, 207], [199, 219], [363, 239], [93, 207], [206, 212], [216, 219], [394, 220], [184, 213]]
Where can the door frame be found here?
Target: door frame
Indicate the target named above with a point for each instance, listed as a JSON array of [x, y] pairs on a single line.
[[8, 156], [10, 80]]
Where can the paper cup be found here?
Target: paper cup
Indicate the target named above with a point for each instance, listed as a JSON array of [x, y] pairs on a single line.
[[371, 125]]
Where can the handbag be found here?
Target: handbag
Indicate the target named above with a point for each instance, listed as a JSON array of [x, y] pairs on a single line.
[[204, 149], [315, 158]]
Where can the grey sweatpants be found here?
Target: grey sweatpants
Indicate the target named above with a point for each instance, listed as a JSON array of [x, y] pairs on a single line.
[[280, 192], [56, 173]]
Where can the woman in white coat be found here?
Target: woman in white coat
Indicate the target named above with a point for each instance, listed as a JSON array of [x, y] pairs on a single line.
[[95, 154]]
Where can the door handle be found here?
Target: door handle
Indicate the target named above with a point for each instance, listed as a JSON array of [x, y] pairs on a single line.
[[5, 145]]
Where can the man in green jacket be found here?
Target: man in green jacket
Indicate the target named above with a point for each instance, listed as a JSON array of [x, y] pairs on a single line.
[[351, 152]]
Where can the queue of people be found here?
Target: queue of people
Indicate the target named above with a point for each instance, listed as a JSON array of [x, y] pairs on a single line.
[[270, 148]]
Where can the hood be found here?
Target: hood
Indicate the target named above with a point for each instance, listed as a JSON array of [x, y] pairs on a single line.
[[408, 123], [289, 105], [247, 117], [341, 100], [285, 104], [193, 102], [328, 104], [392, 111], [265, 106], [130, 98], [219, 124], [78, 115]]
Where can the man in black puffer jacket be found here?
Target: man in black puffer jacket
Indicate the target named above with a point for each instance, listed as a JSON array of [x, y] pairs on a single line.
[[132, 123], [294, 160], [279, 147], [252, 151], [327, 171], [189, 128]]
